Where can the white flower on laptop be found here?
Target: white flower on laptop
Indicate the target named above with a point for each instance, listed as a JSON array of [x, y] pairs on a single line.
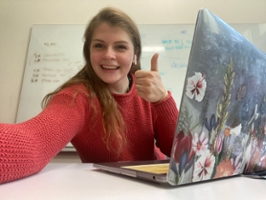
[[199, 143], [204, 167], [196, 86], [232, 131]]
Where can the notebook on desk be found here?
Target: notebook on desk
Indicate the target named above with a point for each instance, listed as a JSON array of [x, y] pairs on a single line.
[[222, 120]]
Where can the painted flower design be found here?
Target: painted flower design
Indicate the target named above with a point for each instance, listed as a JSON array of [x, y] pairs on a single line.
[[219, 144], [237, 164], [196, 87], [224, 169], [204, 167], [236, 131], [184, 153], [263, 163], [255, 159], [263, 129], [232, 131], [199, 143], [251, 148]]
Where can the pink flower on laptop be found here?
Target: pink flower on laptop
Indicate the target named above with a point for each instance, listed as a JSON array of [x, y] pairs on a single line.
[[204, 166], [199, 143], [224, 169], [196, 86], [219, 144]]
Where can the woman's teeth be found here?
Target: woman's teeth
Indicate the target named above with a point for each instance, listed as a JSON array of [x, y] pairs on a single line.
[[109, 67]]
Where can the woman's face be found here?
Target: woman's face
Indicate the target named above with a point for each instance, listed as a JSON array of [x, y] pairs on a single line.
[[111, 55]]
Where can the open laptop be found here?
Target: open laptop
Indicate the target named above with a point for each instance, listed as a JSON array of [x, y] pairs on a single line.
[[222, 121]]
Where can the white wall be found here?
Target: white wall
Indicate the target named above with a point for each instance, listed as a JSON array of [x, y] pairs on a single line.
[[18, 16]]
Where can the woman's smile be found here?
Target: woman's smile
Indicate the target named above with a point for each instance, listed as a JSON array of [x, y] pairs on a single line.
[[109, 67]]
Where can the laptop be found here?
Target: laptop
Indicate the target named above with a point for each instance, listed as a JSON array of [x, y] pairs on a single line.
[[222, 117]]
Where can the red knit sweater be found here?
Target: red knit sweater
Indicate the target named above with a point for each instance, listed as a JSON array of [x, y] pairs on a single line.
[[25, 148]]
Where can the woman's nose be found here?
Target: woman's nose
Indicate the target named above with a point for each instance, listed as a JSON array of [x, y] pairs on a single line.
[[109, 53]]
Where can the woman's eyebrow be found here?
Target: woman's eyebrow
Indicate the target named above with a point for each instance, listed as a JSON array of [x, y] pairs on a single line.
[[120, 41], [97, 40]]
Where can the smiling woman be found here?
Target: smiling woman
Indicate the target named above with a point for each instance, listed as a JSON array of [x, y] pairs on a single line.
[[111, 57], [110, 110]]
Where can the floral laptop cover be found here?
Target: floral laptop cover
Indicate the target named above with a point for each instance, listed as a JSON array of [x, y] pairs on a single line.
[[222, 121]]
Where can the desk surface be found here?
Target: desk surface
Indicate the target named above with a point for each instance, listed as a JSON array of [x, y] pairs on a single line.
[[82, 181]]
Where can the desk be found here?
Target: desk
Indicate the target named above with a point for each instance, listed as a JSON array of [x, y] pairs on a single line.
[[82, 181]]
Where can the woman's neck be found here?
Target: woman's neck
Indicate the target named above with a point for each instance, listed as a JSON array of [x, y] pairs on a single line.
[[121, 88]]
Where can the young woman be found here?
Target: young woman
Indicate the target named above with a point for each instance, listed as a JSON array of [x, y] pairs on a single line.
[[110, 111]]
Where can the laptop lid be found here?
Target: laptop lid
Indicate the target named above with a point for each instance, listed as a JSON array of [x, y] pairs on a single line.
[[222, 120]]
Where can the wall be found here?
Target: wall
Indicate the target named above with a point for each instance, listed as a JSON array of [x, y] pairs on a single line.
[[17, 18]]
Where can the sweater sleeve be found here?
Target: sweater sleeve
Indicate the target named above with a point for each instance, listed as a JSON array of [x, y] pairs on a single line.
[[165, 115], [25, 148]]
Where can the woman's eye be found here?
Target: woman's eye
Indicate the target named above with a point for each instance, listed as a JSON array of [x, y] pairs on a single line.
[[121, 47], [98, 46]]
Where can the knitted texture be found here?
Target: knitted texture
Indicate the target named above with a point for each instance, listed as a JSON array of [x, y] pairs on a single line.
[[25, 148]]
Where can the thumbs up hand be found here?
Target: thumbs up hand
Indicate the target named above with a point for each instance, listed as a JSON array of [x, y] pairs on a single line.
[[149, 84]]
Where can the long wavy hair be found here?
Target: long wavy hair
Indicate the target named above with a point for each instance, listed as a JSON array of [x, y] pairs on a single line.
[[113, 124]]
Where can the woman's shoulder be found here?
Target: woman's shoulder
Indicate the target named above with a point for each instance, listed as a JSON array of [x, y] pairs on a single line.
[[74, 93], [73, 89]]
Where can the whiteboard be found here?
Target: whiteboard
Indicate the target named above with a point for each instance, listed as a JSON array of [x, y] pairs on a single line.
[[55, 54]]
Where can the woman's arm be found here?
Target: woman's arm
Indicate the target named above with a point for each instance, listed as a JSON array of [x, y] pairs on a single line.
[[25, 148], [165, 115]]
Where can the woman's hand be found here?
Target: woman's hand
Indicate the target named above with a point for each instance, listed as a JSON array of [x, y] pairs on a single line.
[[149, 83]]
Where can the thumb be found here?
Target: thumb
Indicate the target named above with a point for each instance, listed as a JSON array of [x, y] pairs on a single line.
[[154, 62]]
